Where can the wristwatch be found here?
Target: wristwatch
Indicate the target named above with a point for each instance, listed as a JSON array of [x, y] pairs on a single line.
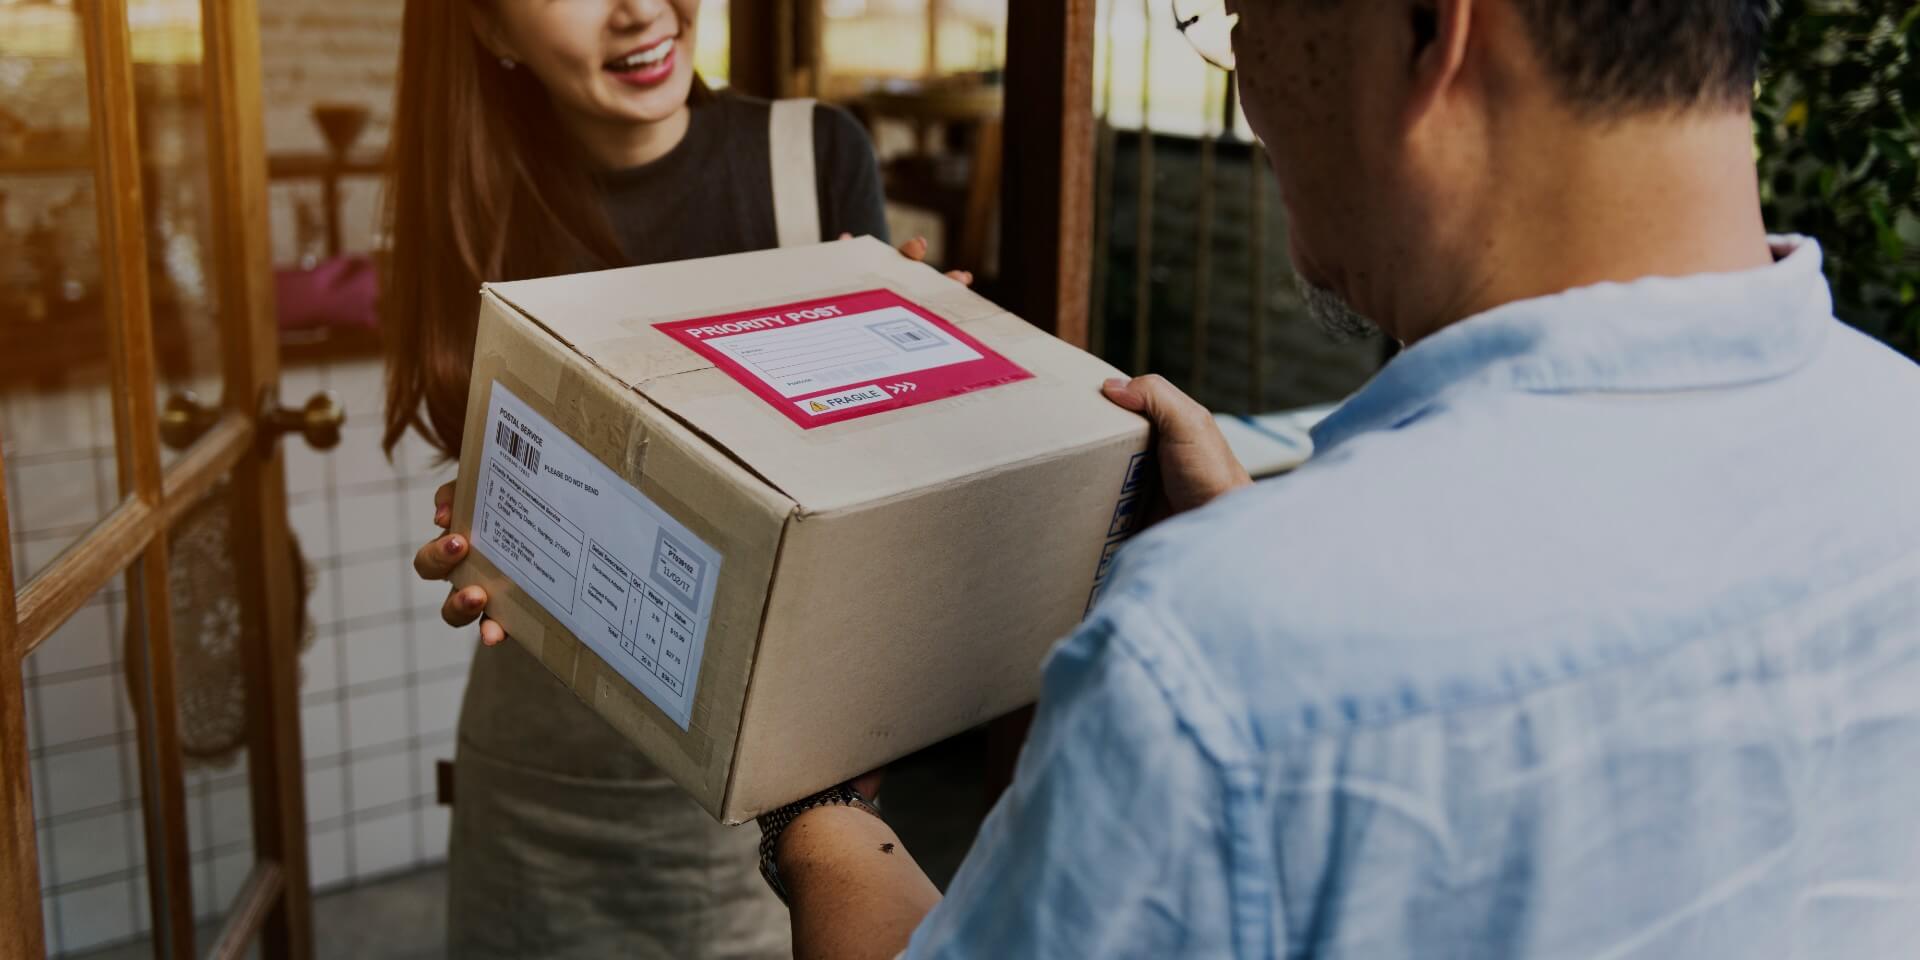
[[774, 824]]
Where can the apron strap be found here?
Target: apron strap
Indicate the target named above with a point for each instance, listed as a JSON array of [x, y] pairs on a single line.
[[796, 198]]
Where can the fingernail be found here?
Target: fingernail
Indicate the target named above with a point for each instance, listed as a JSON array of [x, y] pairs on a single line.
[[471, 598], [454, 545], [1117, 383], [440, 517]]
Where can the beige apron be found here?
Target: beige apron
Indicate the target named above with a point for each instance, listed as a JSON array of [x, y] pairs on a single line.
[[566, 841]]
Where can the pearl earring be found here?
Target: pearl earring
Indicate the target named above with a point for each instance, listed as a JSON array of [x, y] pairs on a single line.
[[506, 63]]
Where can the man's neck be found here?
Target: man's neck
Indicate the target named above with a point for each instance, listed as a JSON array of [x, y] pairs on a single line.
[[1643, 197]]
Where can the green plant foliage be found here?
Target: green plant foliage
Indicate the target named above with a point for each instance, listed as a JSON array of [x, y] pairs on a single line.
[[1837, 126]]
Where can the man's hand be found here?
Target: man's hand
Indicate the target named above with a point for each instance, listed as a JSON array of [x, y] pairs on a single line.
[[436, 561], [1196, 465]]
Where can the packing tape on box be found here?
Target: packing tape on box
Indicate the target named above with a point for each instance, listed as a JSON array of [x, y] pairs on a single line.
[[645, 354], [622, 445]]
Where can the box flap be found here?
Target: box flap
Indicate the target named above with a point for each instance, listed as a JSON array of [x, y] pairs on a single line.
[[609, 317], [903, 451]]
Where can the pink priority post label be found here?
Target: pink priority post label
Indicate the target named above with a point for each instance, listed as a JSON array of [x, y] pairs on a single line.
[[841, 358]]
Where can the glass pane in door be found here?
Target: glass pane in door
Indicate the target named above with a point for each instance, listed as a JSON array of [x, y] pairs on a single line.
[[84, 760], [170, 91], [210, 681], [328, 80], [56, 417]]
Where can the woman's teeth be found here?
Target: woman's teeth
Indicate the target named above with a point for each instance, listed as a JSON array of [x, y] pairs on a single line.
[[643, 59]]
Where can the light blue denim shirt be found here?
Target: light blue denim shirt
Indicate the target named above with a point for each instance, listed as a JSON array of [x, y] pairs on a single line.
[[1591, 630]]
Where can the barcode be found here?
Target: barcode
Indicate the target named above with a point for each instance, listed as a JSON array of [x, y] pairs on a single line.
[[517, 447], [908, 336]]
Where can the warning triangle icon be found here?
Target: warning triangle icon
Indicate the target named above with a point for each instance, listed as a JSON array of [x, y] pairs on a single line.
[[818, 407]]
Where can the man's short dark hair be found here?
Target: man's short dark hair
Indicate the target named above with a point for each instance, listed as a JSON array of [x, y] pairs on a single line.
[[1612, 56]]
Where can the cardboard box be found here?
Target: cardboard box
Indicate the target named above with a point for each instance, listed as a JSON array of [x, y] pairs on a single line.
[[784, 517]]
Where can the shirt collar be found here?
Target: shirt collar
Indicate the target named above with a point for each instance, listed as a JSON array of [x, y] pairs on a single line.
[[1656, 334]]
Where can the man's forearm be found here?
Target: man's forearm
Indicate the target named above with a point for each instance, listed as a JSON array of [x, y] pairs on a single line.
[[854, 890]]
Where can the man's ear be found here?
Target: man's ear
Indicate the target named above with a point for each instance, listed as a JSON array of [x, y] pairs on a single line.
[[1440, 30]]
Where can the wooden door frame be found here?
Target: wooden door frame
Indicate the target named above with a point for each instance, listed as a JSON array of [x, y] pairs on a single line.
[[1046, 193], [136, 431], [273, 904], [21, 927], [774, 47]]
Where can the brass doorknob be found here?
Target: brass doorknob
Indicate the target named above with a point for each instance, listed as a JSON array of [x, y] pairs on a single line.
[[185, 419], [319, 421]]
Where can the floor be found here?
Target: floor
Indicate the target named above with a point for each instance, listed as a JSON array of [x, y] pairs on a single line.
[[398, 918], [933, 799]]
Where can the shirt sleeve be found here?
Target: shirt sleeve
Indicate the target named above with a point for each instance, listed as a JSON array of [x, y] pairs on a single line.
[[1110, 842], [851, 198]]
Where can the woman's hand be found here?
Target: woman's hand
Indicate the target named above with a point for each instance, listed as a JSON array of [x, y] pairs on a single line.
[[436, 561], [916, 250]]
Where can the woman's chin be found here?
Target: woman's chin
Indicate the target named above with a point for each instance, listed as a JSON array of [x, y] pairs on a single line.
[[651, 104]]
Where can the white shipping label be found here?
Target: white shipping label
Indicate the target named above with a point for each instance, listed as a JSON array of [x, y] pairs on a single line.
[[840, 351], [629, 580]]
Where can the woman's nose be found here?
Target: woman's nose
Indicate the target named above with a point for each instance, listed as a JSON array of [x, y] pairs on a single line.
[[637, 14]]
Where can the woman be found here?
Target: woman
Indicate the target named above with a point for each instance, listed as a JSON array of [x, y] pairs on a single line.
[[537, 137]]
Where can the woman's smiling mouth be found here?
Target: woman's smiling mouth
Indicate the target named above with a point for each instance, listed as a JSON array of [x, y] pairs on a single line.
[[645, 67]]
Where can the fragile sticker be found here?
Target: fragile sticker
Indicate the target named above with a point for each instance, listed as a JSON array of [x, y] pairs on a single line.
[[840, 358]]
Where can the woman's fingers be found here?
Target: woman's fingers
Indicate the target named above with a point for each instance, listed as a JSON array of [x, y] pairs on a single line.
[[443, 506], [916, 250], [436, 560], [464, 606]]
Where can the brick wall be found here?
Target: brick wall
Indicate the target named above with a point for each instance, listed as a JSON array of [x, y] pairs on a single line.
[[326, 50]]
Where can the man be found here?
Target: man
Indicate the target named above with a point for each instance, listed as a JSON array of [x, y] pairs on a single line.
[[1592, 629]]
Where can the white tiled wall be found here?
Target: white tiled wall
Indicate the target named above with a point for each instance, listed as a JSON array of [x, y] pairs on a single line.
[[380, 691], [60, 471], [376, 711]]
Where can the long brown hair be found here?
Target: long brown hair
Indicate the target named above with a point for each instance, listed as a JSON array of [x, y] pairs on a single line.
[[483, 185]]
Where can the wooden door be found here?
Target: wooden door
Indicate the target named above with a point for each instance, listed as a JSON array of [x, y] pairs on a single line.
[[97, 315], [1046, 243]]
